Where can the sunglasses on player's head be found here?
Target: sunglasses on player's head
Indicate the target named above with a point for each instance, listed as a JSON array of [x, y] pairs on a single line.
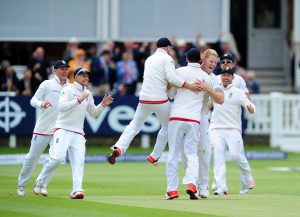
[[226, 61]]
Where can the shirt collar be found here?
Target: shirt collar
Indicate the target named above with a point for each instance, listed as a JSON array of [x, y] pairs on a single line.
[[78, 86], [162, 50], [197, 65], [228, 86]]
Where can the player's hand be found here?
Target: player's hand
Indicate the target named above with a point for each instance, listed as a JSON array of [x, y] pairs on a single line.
[[203, 85], [193, 87], [170, 86], [107, 100], [84, 95], [46, 105], [250, 108]]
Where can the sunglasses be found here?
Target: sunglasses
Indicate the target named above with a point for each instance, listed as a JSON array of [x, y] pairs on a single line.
[[226, 61]]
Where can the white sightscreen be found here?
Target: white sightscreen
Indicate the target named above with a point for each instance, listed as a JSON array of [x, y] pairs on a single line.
[[156, 18], [47, 20]]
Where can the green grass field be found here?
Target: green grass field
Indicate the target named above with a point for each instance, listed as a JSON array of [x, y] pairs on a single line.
[[136, 189]]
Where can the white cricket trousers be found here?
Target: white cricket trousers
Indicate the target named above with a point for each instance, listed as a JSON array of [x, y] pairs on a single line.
[[184, 134], [64, 141], [204, 153], [37, 147], [221, 139], [162, 111]]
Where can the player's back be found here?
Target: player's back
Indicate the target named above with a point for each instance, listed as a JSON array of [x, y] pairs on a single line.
[[155, 80], [187, 104]]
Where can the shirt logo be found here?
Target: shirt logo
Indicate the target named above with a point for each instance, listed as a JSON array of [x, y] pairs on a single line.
[[230, 95]]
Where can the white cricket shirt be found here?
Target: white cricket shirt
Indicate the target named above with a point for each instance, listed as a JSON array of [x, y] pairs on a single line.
[[159, 71], [188, 104], [228, 115], [49, 90], [71, 112]]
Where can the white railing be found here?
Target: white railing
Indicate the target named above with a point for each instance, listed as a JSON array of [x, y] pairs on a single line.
[[277, 115]]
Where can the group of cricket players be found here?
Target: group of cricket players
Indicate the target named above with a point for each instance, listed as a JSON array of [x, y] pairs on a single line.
[[199, 112]]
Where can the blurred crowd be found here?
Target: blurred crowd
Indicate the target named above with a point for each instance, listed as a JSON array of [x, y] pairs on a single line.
[[116, 68]]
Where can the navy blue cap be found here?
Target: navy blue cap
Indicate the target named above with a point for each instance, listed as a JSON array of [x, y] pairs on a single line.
[[163, 42], [60, 64], [193, 55], [227, 56], [81, 71], [227, 70]]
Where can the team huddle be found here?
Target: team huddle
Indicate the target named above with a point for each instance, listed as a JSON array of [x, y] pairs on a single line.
[[185, 124]]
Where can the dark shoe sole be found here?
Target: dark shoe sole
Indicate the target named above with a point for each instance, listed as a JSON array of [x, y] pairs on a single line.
[[192, 194], [112, 158]]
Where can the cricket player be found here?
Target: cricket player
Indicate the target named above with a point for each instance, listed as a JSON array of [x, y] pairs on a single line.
[[46, 98], [209, 62], [74, 102], [227, 60], [159, 71], [184, 128], [225, 128]]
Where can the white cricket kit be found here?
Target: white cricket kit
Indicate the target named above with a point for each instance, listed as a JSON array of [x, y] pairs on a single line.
[[225, 131], [48, 90], [184, 127], [204, 151], [159, 71], [69, 135]]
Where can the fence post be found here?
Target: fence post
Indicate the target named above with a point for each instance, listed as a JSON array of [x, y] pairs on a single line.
[[12, 141], [276, 119], [145, 141]]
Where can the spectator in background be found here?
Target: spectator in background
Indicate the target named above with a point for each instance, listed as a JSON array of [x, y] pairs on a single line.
[[3, 65], [28, 85], [91, 53], [39, 65], [251, 83], [172, 53], [78, 62], [181, 49], [127, 74], [226, 45], [103, 74], [146, 50], [9, 81], [72, 47], [201, 45], [114, 50], [137, 56]]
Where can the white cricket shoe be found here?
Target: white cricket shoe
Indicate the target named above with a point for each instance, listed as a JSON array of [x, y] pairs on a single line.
[[37, 189], [44, 191], [220, 192], [21, 191], [214, 186], [204, 193], [244, 190], [40, 190]]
